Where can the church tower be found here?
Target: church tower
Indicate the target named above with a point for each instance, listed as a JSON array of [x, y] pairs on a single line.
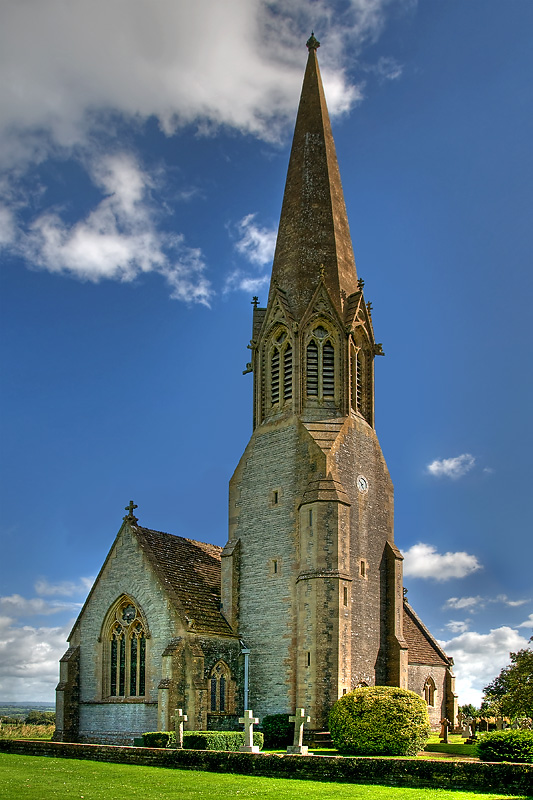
[[311, 578]]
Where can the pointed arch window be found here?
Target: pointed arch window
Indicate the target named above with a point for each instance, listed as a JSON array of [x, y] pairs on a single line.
[[361, 383], [280, 369], [320, 365], [219, 684], [125, 642], [429, 692]]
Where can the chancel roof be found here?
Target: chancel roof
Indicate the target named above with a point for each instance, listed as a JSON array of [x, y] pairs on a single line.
[[190, 572], [423, 648]]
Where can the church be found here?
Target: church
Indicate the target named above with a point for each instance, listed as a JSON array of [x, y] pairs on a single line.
[[305, 602]]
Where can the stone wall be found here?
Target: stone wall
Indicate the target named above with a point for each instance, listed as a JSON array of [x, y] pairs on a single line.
[[125, 572], [418, 675], [459, 775]]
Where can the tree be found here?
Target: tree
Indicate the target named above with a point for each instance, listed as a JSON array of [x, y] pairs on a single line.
[[40, 718], [468, 710], [512, 690]]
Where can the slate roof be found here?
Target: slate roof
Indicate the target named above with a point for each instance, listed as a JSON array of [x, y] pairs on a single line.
[[423, 648], [190, 572]]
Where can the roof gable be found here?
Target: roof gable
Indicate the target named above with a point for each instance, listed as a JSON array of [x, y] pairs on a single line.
[[423, 648], [190, 572]]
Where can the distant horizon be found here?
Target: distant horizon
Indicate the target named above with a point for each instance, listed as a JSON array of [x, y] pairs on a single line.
[[19, 703]]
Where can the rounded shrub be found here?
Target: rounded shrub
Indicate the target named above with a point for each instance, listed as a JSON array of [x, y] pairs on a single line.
[[379, 720], [277, 730], [506, 746]]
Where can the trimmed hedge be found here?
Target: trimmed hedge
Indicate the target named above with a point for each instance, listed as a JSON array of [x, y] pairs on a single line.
[[277, 730], [507, 745], [201, 740], [157, 739], [379, 721], [514, 778]]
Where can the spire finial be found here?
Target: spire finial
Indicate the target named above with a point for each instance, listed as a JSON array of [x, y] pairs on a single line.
[[312, 43], [130, 508]]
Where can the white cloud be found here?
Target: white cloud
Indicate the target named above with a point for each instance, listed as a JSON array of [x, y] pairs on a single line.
[[119, 239], [464, 602], [386, 69], [452, 467], [457, 626], [479, 657], [246, 283], [15, 605], [68, 66], [64, 588], [29, 659], [423, 561], [7, 226], [528, 623], [74, 73], [256, 243], [502, 598]]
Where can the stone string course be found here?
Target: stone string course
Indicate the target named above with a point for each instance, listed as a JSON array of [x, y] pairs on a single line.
[[502, 777]]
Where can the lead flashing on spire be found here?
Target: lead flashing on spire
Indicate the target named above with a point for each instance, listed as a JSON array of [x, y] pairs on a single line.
[[312, 43]]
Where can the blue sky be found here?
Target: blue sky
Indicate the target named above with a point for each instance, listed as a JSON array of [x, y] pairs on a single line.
[[143, 151]]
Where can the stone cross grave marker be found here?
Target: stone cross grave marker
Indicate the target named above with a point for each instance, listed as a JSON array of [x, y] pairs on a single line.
[[249, 721], [179, 718], [444, 723], [299, 720]]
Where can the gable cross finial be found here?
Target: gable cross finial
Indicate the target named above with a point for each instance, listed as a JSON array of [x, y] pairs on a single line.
[[130, 508], [312, 43], [255, 301]]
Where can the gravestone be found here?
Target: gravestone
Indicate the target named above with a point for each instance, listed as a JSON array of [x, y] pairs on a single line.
[[299, 719], [179, 719], [249, 721], [444, 724]]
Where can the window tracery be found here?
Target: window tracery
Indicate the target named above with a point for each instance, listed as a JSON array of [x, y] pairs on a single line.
[[125, 642], [219, 684], [320, 365]]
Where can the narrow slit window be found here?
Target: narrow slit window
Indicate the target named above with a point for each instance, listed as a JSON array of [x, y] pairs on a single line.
[[345, 596], [359, 383], [308, 659], [222, 689], [274, 377], [287, 373], [312, 369], [328, 370]]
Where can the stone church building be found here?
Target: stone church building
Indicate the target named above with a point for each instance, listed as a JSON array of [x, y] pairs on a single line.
[[305, 602]]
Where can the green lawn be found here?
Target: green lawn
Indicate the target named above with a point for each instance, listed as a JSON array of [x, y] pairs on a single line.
[[39, 778]]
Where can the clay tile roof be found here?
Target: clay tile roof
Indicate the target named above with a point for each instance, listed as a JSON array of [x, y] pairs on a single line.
[[423, 649], [190, 572]]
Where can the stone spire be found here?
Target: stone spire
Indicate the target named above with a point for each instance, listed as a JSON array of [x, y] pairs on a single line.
[[313, 229]]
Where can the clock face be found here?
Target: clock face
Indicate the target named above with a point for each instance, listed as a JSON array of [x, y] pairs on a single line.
[[362, 483]]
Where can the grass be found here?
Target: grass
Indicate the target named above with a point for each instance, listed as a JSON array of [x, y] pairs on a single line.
[[39, 778]]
